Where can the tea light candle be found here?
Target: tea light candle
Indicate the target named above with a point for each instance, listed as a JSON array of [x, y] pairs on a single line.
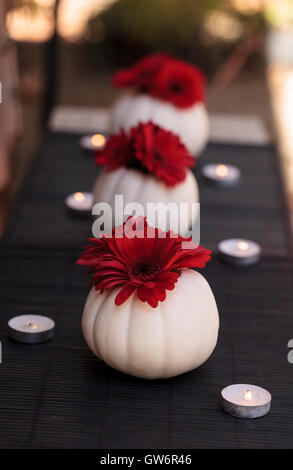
[[31, 329], [93, 142], [246, 401], [79, 203], [222, 176], [239, 252]]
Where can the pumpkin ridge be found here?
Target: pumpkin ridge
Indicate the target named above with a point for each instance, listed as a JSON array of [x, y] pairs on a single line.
[[98, 352], [114, 184], [161, 366], [85, 319], [139, 188], [148, 183], [131, 308], [166, 324], [163, 315], [120, 182]]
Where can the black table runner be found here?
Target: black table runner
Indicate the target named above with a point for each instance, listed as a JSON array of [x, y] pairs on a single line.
[[58, 394]]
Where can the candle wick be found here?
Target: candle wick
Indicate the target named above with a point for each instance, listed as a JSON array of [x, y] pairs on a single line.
[[31, 325]]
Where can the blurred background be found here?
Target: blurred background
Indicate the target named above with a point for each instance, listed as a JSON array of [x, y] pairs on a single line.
[[58, 55]]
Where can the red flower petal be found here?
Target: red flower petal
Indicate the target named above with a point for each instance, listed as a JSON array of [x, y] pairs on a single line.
[[140, 74], [166, 78], [161, 152], [153, 299], [143, 293], [124, 294], [181, 84], [116, 153], [147, 266], [151, 149]]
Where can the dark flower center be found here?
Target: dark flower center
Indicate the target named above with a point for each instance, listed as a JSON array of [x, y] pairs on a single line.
[[175, 87], [144, 89], [159, 157], [144, 269], [136, 165]]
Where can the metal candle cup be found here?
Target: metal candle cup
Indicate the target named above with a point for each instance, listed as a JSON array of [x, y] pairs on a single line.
[[221, 176], [79, 204], [246, 401], [93, 142], [31, 329], [239, 252]]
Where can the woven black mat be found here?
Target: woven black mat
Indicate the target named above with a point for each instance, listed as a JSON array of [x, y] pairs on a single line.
[[59, 395]]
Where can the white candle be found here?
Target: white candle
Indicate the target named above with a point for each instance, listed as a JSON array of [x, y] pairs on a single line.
[[220, 175], [93, 142], [246, 401], [239, 252], [31, 329], [79, 203]]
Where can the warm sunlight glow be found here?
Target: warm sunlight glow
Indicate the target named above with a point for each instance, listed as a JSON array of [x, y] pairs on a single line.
[[281, 87], [222, 25], [35, 23], [279, 13], [79, 197], [248, 395], [242, 246], [98, 140], [249, 7], [222, 171], [74, 16], [30, 26]]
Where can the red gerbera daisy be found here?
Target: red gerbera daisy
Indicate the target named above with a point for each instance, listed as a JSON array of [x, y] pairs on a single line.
[[166, 78], [141, 74], [148, 263], [161, 152], [149, 148], [181, 84], [116, 153]]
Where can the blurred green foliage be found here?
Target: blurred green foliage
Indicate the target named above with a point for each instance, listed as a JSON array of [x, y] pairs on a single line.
[[135, 27], [157, 24]]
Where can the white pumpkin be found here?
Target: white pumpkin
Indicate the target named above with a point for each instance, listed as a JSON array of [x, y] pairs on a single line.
[[177, 336], [143, 188], [191, 124]]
